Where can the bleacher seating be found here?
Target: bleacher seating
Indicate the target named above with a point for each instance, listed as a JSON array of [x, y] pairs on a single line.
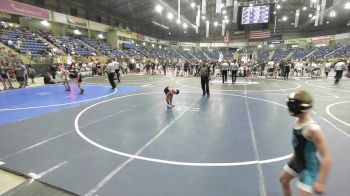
[[323, 52], [30, 42], [187, 55], [228, 55], [342, 52], [301, 53], [199, 55], [103, 47], [263, 55], [214, 55], [75, 46], [281, 54]]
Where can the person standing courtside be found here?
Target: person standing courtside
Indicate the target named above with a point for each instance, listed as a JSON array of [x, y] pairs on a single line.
[[111, 66], [205, 77], [339, 68], [234, 69], [224, 69]]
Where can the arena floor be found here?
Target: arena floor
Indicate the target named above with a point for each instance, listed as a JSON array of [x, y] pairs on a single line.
[[126, 142]]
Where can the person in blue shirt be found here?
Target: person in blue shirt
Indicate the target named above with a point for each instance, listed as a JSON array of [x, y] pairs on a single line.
[[311, 159]]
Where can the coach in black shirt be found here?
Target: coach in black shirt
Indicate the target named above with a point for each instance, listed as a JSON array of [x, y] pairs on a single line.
[[205, 77]]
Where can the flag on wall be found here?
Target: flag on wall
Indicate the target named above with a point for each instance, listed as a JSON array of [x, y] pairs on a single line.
[[260, 34]]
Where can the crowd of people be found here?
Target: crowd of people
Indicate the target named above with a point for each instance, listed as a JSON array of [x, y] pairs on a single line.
[[268, 69], [14, 70]]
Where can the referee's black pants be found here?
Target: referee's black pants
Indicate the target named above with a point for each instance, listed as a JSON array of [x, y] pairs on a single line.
[[338, 75], [234, 76], [205, 85], [224, 76], [111, 79]]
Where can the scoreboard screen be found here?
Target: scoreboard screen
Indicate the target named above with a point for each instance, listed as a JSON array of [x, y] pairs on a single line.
[[255, 14]]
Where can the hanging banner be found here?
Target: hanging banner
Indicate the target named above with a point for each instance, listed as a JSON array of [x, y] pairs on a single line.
[[342, 36], [76, 21], [317, 15], [133, 35], [207, 29], [323, 8], [218, 6], [301, 41], [296, 22], [223, 28], [5, 16], [23, 9], [140, 37], [204, 6], [60, 18], [275, 42], [178, 10], [227, 37], [235, 11], [198, 17], [321, 38]]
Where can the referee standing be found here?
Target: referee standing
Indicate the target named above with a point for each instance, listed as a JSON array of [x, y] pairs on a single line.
[[205, 77], [224, 69], [111, 72]]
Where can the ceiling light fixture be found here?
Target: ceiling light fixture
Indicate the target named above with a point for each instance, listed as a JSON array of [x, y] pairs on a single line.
[[203, 17], [310, 15], [332, 14], [178, 21], [170, 16], [45, 23], [347, 5], [193, 5], [159, 8], [216, 23], [304, 8], [184, 26], [224, 12], [278, 6], [284, 18]]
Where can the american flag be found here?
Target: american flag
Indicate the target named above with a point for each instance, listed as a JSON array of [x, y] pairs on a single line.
[[260, 34]]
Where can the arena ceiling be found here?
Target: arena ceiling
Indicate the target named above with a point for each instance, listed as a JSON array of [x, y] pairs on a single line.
[[138, 15], [143, 12]]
